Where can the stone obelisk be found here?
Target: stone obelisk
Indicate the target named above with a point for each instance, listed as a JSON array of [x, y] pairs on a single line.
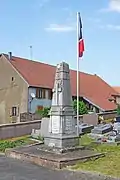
[[62, 132]]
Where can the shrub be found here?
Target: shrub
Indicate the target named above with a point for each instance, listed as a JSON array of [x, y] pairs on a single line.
[[10, 144], [82, 107]]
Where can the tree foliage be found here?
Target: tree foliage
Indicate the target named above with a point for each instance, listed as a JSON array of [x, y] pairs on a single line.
[[82, 107], [118, 110]]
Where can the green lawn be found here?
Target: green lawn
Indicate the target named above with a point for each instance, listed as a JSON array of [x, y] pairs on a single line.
[[108, 165], [15, 142]]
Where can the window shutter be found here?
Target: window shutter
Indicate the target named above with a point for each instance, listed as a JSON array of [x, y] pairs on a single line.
[[17, 109], [37, 92], [10, 112], [40, 93], [43, 93], [44, 96], [50, 94]]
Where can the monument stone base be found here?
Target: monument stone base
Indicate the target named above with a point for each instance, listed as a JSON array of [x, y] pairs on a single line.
[[39, 155], [61, 142]]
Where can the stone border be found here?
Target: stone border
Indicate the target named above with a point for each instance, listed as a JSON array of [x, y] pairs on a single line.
[[48, 162]]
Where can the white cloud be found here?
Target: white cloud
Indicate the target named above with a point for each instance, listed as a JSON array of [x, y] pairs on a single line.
[[110, 27], [113, 27], [60, 28], [69, 24], [114, 5]]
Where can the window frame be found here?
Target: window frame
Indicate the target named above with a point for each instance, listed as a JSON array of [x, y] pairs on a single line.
[[14, 111]]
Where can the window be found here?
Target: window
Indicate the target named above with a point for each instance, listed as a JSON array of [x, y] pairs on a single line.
[[50, 94], [12, 79], [40, 93], [14, 111]]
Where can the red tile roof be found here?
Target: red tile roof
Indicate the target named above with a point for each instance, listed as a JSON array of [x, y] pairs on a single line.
[[117, 88], [92, 87]]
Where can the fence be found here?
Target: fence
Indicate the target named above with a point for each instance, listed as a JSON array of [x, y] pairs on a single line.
[[108, 115], [18, 129], [93, 118], [24, 117], [88, 118]]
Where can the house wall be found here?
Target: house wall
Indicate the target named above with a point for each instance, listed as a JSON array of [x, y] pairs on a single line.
[[47, 102], [12, 93], [36, 102]]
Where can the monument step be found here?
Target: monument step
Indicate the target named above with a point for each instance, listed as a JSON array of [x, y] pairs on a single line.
[[51, 160]]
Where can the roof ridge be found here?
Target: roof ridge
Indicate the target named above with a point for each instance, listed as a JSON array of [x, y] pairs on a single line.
[[37, 75], [36, 61], [26, 59]]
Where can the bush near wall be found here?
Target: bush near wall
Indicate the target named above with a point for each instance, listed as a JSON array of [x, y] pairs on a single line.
[[82, 107]]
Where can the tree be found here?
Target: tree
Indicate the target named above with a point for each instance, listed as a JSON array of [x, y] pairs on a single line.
[[118, 110], [82, 107]]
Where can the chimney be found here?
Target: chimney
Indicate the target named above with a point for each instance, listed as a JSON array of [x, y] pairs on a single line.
[[10, 55]]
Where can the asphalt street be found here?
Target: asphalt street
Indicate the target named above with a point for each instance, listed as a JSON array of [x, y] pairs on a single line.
[[11, 169]]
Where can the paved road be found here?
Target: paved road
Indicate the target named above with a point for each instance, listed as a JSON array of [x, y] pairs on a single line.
[[11, 169]]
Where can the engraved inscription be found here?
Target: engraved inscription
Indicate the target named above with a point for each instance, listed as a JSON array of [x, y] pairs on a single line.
[[55, 125], [68, 124]]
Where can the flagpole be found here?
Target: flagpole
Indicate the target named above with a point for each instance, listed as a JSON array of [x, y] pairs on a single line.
[[77, 76]]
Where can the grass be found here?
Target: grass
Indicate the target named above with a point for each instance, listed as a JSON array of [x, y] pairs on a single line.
[[15, 142], [108, 165]]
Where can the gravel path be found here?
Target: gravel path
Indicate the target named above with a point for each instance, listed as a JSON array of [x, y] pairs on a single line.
[[11, 169]]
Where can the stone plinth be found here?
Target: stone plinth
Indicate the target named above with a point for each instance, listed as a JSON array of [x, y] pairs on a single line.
[[62, 132], [62, 141], [39, 155]]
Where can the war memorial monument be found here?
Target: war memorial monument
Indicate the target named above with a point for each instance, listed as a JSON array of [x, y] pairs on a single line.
[[61, 143]]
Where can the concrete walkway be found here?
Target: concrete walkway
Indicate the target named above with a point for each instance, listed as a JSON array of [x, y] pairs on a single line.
[[11, 169]]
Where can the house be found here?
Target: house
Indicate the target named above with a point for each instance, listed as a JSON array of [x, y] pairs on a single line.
[[22, 79]]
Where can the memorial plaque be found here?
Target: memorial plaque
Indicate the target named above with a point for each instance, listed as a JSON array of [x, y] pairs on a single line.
[[68, 124], [55, 125]]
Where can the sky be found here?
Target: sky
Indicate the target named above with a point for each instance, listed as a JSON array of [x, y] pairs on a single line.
[[49, 26]]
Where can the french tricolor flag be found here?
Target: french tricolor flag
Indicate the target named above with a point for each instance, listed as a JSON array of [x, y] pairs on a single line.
[[80, 38]]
